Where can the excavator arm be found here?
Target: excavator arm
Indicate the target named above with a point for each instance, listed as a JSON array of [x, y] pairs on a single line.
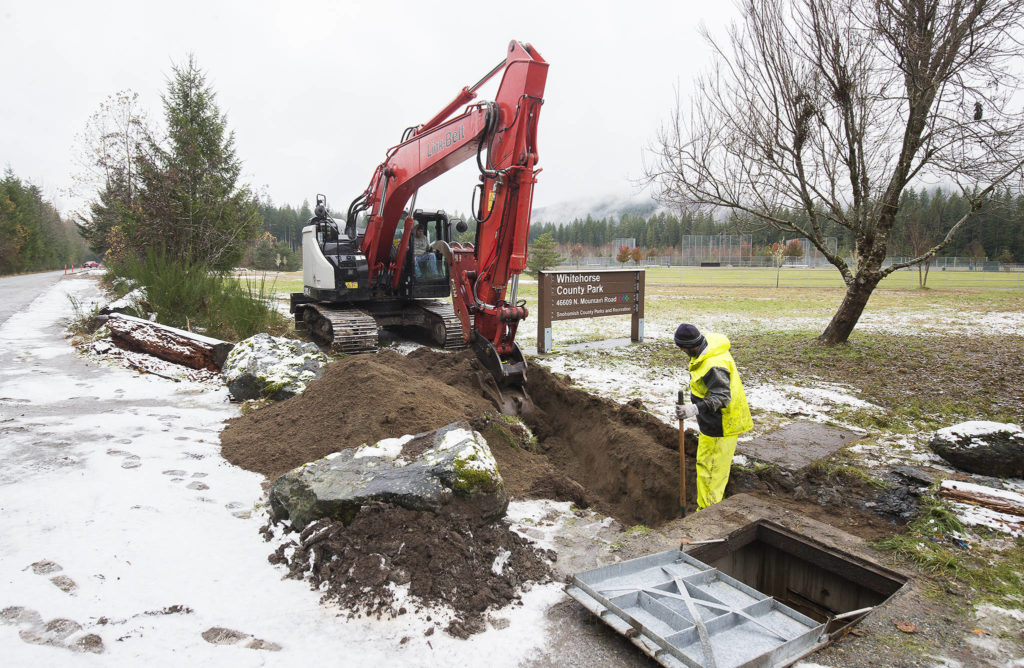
[[502, 135]]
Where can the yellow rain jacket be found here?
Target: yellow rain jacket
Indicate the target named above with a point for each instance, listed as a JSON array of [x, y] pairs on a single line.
[[716, 389]]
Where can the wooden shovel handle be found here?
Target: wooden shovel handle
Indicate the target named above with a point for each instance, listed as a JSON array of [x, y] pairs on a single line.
[[682, 462]]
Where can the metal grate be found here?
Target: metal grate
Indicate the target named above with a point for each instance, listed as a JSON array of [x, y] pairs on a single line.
[[683, 612]]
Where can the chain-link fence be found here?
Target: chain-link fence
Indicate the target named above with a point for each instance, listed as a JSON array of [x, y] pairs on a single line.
[[720, 249]]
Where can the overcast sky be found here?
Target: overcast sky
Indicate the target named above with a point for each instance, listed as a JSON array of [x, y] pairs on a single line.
[[317, 91]]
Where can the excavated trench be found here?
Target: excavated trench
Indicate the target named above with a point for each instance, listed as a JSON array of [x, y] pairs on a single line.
[[594, 452]]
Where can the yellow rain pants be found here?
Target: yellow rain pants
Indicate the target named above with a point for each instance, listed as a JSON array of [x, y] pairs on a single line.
[[714, 457]]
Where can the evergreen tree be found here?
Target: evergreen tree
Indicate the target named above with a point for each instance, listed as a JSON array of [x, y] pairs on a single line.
[[191, 202], [543, 255], [32, 234]]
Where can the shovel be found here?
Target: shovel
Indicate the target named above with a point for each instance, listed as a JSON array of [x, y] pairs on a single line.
[[682, 461]]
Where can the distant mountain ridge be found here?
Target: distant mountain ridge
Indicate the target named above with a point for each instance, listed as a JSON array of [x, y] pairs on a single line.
[[608, 206]]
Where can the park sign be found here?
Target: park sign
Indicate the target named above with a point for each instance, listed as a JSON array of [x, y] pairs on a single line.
[[567, 295]]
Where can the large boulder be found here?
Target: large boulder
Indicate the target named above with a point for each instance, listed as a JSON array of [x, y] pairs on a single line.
[[272, 367], [986, 448], [428, 471]]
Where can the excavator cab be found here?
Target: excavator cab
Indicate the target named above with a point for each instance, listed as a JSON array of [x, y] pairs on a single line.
[[427, 271]]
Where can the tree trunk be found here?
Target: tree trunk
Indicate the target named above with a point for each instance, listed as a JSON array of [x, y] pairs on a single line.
[[845, 319], [169, 343]]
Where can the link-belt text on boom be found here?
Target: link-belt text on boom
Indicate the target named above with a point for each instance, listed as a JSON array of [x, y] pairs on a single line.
[[450, 137]]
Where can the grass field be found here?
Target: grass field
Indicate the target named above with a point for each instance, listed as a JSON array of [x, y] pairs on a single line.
[[825, 278], [285, 283]]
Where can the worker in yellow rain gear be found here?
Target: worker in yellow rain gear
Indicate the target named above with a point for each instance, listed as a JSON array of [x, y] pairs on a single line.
[[718, 402]]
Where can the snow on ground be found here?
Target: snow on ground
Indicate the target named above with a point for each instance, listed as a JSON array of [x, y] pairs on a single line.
[[1007, 522], [116, 478], [977, 428], [613, 374], [814, 401]]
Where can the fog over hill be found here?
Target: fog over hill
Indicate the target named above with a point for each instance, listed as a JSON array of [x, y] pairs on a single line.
[[606, 206]]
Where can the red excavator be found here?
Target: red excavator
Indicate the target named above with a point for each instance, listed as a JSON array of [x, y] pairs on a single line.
[[393, 264]]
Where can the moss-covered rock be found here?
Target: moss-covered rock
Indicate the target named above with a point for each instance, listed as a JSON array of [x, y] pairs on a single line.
[[428, 471], [264, 366]]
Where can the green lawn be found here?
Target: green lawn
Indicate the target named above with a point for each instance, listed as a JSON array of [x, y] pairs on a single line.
[[825, 278], [281, 282], [285, 283]]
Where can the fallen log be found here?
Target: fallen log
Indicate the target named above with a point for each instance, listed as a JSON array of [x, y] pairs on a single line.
[[998, 500], [169, 343]]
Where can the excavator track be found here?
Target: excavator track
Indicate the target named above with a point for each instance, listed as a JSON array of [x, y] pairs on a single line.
[[345, 330], [445, 327]]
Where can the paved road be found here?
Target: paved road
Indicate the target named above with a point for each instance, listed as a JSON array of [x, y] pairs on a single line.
[[17, 292]]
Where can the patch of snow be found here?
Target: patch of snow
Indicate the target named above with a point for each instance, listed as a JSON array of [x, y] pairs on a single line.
[[989, 609], [814, 401], [986, 517], [740, 460], [386, 448], [454, 438], [977, 428], [498, 567]]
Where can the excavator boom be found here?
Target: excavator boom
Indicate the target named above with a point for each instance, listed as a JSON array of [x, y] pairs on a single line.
[[355, 284], [502, 135]]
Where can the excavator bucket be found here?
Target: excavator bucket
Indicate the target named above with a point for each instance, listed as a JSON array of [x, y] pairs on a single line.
[[503, 377], [507, 370]]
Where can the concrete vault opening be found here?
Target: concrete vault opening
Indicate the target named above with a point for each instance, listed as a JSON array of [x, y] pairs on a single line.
[[818, 581]]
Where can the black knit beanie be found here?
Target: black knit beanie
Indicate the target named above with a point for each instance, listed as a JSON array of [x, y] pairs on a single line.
[[688, 336]]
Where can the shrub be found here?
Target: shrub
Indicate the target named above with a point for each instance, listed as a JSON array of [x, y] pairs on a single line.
[[191, 296]]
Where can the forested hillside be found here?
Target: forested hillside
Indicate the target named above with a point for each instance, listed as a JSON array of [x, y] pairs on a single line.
[[33, 236], [997, 232]]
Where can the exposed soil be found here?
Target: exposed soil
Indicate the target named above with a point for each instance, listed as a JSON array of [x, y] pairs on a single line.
[[588, 450], [434, 554], [591, 451]]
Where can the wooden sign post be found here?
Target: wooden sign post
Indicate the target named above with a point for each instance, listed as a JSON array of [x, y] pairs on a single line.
[[567, 295]]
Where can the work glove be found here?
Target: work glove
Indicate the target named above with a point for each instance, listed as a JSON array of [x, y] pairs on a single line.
[[686, 411]]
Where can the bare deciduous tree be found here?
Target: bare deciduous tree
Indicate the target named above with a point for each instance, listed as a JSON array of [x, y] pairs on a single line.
[[832, 109], [107, 153]]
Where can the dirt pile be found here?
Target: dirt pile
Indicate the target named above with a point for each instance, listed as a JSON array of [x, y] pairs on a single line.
[[575, 447], [360, 399], [457, 560], [588, 450]]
